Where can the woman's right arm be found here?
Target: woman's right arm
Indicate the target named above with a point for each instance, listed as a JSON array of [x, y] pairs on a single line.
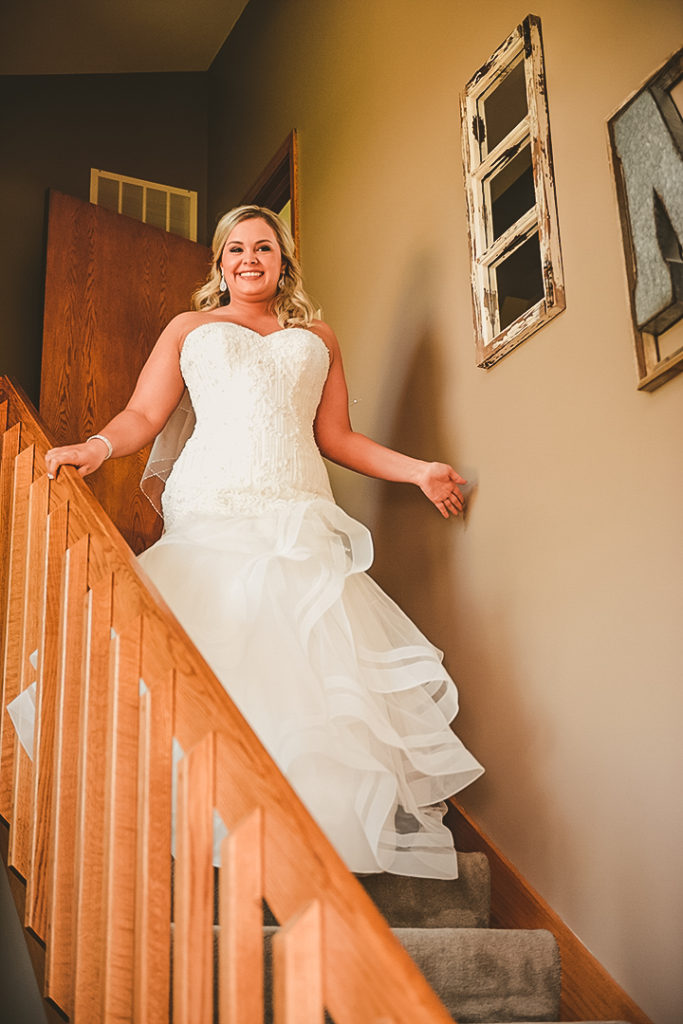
[[157, 393]]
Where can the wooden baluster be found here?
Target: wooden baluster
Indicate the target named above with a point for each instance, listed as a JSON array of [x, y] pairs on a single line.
[[59, 966], [11, 442], [46, 710], [121, 827], [193, 895], [23, 477], [153, 883], [20, 838], [297, 969], [240, 944], [90, 921], [300, 866]]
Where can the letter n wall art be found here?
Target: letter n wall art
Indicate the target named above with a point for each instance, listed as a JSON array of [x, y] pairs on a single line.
[[646, 136]]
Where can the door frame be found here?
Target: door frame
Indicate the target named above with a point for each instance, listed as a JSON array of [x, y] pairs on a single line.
[[279, 183]]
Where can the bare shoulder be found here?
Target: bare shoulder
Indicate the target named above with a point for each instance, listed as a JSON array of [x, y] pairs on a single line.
[[326, 334], [179, 327], [184, 322], [190, 316]]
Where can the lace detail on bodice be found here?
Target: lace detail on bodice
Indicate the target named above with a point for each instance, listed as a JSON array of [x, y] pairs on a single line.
[[255, 398]]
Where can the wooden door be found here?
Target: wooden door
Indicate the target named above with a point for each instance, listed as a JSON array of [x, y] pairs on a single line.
[[112, 284]]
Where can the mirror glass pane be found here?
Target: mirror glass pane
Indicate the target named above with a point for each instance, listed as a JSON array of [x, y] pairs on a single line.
[[511, 192], [505, 106], [519, 281]]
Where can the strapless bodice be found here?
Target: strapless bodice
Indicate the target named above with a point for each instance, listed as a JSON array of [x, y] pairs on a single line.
[[255, 398]]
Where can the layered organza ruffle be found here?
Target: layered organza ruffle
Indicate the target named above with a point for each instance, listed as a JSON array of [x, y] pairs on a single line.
[[347, 695]]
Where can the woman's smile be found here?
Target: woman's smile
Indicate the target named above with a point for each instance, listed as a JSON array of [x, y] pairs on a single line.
[[252, 260]]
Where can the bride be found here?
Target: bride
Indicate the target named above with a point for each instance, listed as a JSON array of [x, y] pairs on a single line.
[[267, 574]]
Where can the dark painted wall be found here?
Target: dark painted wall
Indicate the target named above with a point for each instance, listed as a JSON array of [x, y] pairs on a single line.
[[249, 116], [53, 129]]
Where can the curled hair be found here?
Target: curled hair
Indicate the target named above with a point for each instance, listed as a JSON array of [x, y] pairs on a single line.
[[291, 305]]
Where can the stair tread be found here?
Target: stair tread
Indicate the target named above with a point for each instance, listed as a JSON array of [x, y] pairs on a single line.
[[463, 902], [485, 974]]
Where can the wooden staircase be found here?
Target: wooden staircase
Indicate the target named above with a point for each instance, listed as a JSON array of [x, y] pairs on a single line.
[[118, 936], [90, 816]]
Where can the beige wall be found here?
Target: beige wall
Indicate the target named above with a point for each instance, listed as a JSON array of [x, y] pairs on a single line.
[[558, 601]]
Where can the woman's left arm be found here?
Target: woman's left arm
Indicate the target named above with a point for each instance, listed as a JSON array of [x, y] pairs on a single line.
[[340, 443]]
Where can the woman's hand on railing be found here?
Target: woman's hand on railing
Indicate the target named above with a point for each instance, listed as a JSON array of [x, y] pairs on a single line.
[[85, 457]]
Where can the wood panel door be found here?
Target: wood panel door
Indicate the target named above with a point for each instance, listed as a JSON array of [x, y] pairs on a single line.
[[112, 284]]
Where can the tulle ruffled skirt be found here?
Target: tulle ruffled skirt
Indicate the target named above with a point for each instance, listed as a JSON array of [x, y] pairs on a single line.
[[347, 695]]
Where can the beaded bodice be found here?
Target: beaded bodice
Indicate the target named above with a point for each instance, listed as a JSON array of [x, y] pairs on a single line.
[[255, 397]]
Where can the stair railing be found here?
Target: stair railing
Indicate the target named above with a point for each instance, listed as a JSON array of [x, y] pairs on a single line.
[[90, 814]]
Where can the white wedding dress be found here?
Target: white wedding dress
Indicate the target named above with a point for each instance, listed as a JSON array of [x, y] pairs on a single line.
[[267, 576]]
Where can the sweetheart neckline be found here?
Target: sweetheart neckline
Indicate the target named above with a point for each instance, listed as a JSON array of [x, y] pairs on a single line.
[[262, 337]]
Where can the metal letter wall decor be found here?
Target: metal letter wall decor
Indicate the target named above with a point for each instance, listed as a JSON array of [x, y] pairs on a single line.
[[646, 136]]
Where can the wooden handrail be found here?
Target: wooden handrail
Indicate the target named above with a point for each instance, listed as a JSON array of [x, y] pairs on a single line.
[[90, 816]]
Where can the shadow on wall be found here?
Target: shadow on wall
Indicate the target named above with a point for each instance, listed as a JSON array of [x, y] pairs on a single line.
[[414, 545], [416, 562], [413, 542]]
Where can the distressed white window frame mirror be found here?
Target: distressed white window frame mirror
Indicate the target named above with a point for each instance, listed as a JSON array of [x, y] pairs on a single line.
[[517, 278]]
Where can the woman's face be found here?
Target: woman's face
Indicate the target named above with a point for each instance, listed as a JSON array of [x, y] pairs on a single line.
[[252, 261]]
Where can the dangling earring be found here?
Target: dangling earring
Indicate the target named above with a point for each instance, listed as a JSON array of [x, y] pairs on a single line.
[[223, 286], [281, 283]]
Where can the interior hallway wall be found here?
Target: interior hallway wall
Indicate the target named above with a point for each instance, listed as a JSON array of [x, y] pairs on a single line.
[[54, 128], [558, 599]]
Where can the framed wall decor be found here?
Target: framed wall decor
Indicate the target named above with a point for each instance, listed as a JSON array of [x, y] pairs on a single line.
[[646, 147], [517, 279]]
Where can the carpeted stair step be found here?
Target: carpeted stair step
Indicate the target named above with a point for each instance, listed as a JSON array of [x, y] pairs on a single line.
[[480, 974], [485, 975], [463, 902]]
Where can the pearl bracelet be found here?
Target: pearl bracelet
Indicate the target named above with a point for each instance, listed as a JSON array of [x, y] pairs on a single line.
[[101, 437]]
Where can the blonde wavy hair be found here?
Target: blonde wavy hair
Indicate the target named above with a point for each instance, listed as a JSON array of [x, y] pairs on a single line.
[[291, 305]]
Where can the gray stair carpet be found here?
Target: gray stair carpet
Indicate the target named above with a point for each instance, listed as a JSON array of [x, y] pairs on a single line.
[[432, 903], [491, 976], [482, 975]]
